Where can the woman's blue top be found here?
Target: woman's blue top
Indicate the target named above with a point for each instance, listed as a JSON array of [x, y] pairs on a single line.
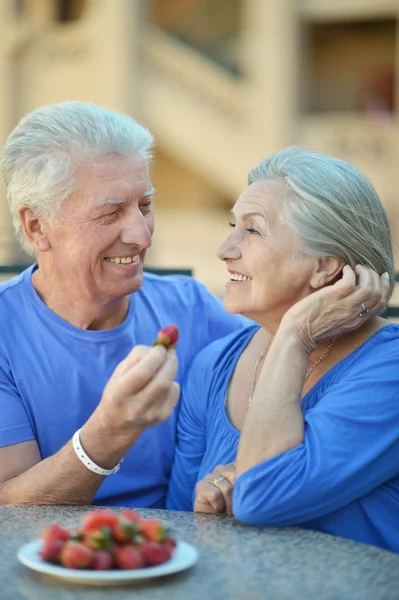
[[343, 479]]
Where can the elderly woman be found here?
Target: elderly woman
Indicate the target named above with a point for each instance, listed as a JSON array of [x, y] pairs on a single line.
[[304, 405]]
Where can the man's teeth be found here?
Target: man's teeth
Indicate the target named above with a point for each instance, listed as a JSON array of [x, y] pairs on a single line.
[[124, 260], [239, 277]]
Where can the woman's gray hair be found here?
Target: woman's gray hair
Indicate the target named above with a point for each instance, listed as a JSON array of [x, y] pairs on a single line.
[[332, 207], [41, 154]]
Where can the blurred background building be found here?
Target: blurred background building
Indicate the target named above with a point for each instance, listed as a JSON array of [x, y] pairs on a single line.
[[221, 84]]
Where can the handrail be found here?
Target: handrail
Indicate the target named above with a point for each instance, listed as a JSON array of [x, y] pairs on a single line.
[[193, 71]]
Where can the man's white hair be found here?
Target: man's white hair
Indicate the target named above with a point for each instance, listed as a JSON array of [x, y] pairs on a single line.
[[41, 154], [332, 207]]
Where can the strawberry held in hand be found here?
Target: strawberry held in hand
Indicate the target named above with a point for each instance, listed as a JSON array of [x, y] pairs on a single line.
[[168, 337]]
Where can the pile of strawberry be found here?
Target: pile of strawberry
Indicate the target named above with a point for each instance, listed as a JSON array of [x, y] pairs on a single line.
[[108, 540]]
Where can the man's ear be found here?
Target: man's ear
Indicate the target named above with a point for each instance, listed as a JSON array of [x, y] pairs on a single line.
[[33, 228], [327, 271]]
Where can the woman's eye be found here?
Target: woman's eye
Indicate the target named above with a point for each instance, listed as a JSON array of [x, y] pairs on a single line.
[[252, 230], [232, 225]]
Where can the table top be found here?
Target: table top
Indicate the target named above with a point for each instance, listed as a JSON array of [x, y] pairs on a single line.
[[235, 562]]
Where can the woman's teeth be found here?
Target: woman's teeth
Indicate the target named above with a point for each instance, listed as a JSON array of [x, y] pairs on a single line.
[[239, 277]]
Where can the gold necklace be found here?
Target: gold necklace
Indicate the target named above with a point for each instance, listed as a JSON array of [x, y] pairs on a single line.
[[253, 380], [308, 372], [320, 359]]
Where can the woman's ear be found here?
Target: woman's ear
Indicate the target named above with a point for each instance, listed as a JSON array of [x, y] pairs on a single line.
[[33, 228], [327, 271]]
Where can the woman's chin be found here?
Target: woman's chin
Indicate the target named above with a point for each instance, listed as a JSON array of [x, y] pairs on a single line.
[[233, 307]]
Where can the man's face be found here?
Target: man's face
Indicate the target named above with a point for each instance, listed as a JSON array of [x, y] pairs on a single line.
[[99, 242]]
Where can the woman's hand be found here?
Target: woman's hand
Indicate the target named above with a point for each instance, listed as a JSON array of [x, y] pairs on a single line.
[[213, 494], [339, 308]]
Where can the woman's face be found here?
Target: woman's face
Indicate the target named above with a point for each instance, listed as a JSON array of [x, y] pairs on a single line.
[[268, 272]]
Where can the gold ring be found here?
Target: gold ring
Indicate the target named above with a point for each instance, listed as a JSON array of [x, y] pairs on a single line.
[[218, 480]]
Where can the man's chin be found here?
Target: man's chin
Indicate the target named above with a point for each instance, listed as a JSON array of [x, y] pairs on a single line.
[[127, 286]]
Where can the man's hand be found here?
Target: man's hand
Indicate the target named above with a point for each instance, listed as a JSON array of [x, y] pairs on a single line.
[[141, 392], [214, 493]]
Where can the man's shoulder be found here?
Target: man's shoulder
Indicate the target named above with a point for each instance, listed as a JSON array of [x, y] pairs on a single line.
[[11, 289]]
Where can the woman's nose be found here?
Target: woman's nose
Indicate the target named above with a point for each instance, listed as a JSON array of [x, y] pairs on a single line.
[[229, 250]]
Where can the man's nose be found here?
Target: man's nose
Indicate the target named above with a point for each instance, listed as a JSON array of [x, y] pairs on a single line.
[[136, 231]]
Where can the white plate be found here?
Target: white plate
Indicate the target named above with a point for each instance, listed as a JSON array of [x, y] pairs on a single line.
[[184, 556]]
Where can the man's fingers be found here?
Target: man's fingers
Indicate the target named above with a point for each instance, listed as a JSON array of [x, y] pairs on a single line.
[[158, 364]]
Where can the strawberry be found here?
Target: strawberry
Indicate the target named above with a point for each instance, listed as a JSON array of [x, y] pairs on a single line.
[[128, 557], [131, 515], [168, 337], [171, 542], [97, 539], [153, 530], [97, 519], [50, 550], [125, 531], [76, 555], [55, 532], [102, 560], [155, 553]]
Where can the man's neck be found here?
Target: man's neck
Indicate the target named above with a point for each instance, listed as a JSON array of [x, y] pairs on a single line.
[[83, 312]]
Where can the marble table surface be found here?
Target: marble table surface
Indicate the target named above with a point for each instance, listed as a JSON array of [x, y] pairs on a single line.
[[235, 562]]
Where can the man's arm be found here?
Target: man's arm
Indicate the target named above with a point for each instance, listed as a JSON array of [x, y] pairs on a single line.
[[59, 479], [140, 394]]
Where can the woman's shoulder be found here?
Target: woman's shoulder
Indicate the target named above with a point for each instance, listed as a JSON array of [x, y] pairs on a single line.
[[381, 348], [226, 347], [370, 369]]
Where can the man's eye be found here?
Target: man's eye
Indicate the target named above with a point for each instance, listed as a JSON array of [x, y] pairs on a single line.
[[146, 206], [232, 225], [252, 230], [110, 215]]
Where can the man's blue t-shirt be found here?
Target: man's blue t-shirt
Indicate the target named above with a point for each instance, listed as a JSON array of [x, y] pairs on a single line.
[[52, 374]]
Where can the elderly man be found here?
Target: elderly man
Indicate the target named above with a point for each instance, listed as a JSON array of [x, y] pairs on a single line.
[[81, 388]]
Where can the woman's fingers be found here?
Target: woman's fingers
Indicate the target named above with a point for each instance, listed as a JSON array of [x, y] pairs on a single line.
[[216, 490], [373, 290], [209, 495], [385, 289]]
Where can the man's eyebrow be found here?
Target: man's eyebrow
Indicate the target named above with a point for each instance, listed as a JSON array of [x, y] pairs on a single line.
[[114, 201], [110, 201]]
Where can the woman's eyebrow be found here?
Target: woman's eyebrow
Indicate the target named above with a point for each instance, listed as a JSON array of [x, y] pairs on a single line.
[[253, 214], [248, 215]]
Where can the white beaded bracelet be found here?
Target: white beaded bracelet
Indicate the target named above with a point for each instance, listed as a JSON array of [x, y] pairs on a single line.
[[88, 463]]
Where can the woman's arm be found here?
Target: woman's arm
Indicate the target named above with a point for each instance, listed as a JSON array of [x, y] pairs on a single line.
[[350, 447], [275, 422]]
